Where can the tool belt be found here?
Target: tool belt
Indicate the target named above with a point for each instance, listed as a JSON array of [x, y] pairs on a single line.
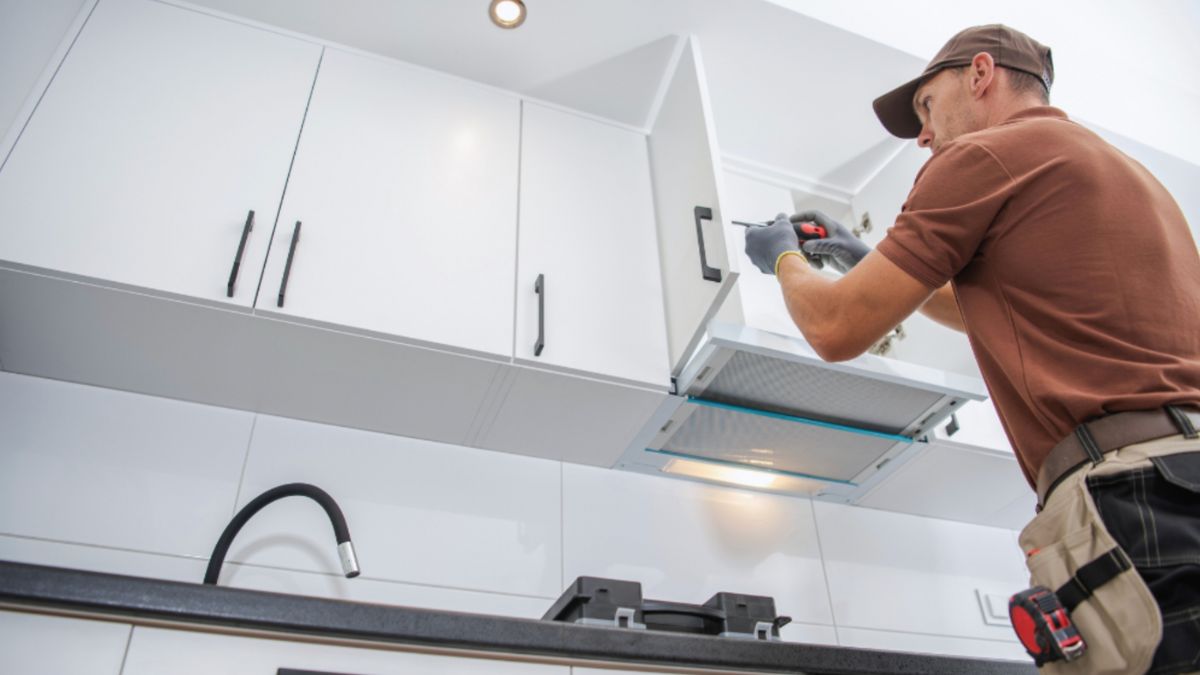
[[1092, 439]]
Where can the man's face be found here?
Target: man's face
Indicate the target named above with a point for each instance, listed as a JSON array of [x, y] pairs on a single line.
[[943, 105]]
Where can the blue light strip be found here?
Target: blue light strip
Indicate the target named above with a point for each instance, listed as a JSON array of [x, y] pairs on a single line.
[[750, 467], [799, 420]]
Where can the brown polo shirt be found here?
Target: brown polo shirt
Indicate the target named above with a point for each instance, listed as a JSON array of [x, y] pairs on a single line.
[[1075, 272]]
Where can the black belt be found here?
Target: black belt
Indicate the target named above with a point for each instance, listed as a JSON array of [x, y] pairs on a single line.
[[1092, 439]]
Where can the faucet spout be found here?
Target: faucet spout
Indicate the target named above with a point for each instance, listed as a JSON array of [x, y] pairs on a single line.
[[341, 532]]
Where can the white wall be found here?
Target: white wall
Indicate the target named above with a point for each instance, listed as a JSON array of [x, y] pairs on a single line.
[[98, 479], [30, 33], [1123, 65]]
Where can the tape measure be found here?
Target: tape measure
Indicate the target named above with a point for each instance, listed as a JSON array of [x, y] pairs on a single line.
[[1044, 626]]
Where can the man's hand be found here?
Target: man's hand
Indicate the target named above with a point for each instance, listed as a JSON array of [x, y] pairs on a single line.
[[839, 249], [765, 244]]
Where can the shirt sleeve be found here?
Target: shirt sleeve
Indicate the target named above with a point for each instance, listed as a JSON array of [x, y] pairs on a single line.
[[955, 198]]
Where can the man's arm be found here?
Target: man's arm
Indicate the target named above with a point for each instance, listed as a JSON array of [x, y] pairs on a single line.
[[942, 307], [842, 318]]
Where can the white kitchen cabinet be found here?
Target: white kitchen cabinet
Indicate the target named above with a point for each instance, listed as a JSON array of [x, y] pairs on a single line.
[[589, 293], [153, 651], [38, 644], [697, 271], [160, 133], [405, 188]]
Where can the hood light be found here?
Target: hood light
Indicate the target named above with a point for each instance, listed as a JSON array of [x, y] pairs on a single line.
[[507, 13], [721, 474]]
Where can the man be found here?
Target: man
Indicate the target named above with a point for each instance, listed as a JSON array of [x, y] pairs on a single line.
[[1075, 277]]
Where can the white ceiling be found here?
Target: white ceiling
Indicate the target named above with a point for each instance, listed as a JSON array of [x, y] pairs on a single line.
[[1123, 65], [787, 91]]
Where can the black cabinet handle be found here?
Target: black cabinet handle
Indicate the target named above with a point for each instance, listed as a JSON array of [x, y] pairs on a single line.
[[709, 273], [237, 259], [287, 268], [539, 287]]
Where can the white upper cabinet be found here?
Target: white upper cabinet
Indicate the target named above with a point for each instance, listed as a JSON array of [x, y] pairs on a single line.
[[697, 271], [405, 185], [161, 131], [587, 233]]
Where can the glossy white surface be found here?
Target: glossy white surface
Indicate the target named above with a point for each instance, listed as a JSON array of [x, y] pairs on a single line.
[[685, 541], [376, 591], [405, 181], [1009, 650], [550, 415], [958, 482], [161, 170], [587, 225], [685, 173], [31, 33], [154, 651], [33, 644], [237, 575], [98, 466], [418, 512], [978, 425], [756, 300], [95, 558], [883, 569]]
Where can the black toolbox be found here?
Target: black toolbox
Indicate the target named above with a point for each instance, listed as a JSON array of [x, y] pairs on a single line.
[[613, 602]]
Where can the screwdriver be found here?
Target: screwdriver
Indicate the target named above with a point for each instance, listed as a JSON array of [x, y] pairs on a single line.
[[805, 231]]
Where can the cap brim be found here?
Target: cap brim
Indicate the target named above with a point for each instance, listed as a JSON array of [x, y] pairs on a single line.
[[895, 110]]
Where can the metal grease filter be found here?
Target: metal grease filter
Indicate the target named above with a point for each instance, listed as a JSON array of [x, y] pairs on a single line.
[[764, 442], [763, 383]]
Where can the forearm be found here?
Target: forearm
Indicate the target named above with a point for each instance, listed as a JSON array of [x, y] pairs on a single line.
[[942, 307], [842, 318]]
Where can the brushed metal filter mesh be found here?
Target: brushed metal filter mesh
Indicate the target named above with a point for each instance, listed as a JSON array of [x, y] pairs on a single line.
[[763, 383], [765, 442]]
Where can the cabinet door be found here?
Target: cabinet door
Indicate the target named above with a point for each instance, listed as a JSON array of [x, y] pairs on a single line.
[[587, 232], [697, 272], [162, 130], [36, 644], [405, 185], [153, 651]]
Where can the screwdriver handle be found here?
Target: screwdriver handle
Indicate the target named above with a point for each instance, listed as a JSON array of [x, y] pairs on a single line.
[[805, 231]]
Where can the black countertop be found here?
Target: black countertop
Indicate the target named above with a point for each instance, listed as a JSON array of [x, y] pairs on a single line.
[[137, 599]]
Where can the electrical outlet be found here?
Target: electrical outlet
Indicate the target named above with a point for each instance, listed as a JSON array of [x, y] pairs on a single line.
[[994, 607]]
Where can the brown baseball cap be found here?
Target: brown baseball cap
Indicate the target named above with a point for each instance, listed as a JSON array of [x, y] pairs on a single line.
[[1009, 48]]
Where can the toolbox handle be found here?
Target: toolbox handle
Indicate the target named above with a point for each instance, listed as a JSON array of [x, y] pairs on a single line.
[[709, 273], [681, 608], [237, 259]]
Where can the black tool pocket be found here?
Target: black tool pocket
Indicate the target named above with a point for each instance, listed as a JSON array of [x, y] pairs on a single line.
[[1154, 515]]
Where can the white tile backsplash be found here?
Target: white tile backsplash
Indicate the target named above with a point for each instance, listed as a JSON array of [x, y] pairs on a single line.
[[154, 651], [34, 644], [685, 541], [382, 592], [897, 572], [129, 484], [419, 512], [99, 466], [933, 644], [102, 559]]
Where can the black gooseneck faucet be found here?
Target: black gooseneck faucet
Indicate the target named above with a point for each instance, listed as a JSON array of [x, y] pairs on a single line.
[[340, 530]]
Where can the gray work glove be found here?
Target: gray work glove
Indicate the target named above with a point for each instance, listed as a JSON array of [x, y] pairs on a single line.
[[839, 249], [765, 244]]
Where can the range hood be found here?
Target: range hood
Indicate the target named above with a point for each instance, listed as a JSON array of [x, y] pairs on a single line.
[[765, 411]]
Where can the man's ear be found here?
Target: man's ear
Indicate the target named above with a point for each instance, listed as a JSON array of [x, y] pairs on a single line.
[[983, 73]]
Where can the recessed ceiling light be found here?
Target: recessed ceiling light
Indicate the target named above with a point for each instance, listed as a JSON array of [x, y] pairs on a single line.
[[507, 13]]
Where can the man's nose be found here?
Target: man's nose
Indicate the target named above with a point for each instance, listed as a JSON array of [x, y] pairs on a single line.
[[925, 138]]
